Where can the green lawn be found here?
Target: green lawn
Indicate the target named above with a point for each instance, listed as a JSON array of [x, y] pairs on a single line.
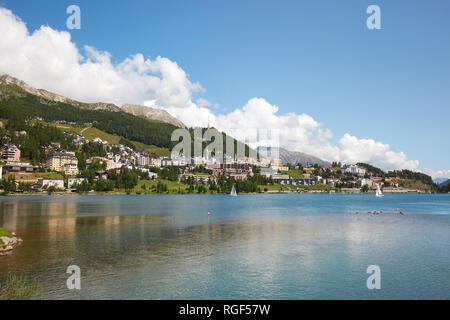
[[172, 186], [295, 174], [5, 233], [160, 152], [91, 133]]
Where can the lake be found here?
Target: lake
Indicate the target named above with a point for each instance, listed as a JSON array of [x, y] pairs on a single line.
[[268, 246]]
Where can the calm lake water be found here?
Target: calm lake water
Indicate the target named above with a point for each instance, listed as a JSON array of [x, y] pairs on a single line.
[[296, 246]]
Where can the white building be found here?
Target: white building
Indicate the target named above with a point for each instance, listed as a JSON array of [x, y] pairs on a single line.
[[155, 163], [152, 175], [63, 161], [10, 152], [365, 182], [47, 183], [98, 140], [354, 170], [176, 162], [143, 160], [110, 164], [72, 183]]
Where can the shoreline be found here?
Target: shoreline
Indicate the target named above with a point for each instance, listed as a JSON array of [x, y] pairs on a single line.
[[180, 194]]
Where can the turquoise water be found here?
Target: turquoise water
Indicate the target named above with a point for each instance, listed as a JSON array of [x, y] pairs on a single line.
[[296, 246]]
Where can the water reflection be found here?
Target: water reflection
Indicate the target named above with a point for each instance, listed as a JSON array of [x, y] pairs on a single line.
[[167, 248]]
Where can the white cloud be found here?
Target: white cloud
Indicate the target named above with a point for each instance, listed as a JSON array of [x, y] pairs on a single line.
[[353, 150], [47, 58], [303, 133], [437, 173]]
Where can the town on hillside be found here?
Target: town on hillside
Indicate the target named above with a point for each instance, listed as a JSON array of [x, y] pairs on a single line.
[[80, 165]]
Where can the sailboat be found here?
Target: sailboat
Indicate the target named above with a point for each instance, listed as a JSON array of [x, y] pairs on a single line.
[[233, 192], [379, 193]]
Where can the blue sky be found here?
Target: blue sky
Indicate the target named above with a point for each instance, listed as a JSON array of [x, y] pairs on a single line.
[[314, 57]]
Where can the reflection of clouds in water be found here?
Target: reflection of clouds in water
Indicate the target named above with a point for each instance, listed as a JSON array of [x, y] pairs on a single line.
[[238, 253]]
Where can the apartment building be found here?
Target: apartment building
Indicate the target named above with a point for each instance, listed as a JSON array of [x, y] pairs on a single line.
[[63, 161], [10, 153]]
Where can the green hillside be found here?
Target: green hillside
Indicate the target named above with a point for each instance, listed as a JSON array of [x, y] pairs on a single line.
[[91, 133], [405, 178], [122, 124], [20, 110]]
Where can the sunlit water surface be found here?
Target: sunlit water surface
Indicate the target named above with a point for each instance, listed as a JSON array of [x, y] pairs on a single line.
[[296, 246]]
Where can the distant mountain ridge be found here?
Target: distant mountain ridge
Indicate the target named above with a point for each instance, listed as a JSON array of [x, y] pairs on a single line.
[[439, 181], [10, 86], [295, 157]]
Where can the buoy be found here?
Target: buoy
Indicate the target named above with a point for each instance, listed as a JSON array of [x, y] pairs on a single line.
[[209, 214]]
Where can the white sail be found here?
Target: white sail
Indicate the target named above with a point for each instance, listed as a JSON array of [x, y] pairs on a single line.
[[379, 193], [233, 192]]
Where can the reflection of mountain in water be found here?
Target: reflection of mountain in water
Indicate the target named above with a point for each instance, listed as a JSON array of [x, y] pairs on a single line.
[[160, 247]]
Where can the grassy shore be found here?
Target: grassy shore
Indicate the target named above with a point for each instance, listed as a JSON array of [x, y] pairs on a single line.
[[5, 233], [20, 288]]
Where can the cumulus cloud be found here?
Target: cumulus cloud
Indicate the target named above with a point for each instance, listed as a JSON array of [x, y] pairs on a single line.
[[47, 58], [437, 173], [301, 132]]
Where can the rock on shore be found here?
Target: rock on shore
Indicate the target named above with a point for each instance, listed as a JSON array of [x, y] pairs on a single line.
[[7, 244]]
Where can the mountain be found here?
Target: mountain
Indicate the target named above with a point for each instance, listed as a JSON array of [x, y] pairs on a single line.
[[10, 86], [438, 181], [22, 105], [295, 157], [444, 183], [153, 114], [13, 87], [18, 100]]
